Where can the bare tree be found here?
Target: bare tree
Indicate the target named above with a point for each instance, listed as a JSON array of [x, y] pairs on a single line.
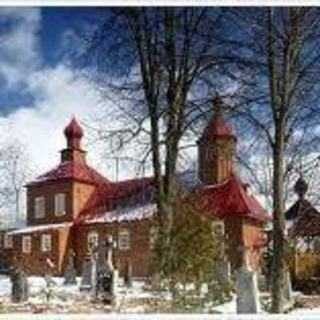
[[15, 171]]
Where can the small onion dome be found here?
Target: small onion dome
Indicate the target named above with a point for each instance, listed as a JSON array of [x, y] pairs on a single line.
[[217, 126], [301, 187], [73, 130]]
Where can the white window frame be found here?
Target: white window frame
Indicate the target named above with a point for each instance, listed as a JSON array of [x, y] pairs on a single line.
[[92, 239], [153, 234], [26, 244], [124, 240], [46, 242], [60, 204], [39, 207], [8, 241]]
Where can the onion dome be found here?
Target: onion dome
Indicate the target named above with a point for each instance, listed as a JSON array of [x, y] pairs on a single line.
[[301, 187], [218, 127], [73, 129], [73, 132]]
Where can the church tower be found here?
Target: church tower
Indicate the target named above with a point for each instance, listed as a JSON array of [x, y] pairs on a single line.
[[73, 152], [216, 148]]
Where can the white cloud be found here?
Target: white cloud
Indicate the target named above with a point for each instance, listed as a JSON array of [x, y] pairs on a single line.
[[19, 52]]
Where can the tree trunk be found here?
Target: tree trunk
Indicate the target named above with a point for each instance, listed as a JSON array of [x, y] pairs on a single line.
[[278, 263]]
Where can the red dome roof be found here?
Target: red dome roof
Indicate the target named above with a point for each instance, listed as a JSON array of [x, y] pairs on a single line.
[[73, 129], [217, 127]]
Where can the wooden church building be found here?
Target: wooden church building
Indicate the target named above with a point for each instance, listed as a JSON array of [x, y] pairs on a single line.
[[73, 206]]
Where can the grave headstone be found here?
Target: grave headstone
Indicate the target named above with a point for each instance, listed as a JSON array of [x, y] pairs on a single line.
[[70, 275], [87, 275], [224, 271]]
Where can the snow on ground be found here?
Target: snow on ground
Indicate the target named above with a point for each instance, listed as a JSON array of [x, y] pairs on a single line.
[[66, 299], [227, 308], [137, 299]]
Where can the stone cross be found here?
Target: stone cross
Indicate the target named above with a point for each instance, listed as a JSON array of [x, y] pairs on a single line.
[[107, 276], [128, 275], [20, 286], [89, 271], [70, 272]]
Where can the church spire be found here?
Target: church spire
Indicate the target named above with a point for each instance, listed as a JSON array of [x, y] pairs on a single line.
[[301, 187]]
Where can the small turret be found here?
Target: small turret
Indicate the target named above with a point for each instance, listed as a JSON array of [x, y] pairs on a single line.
[[301, 188]]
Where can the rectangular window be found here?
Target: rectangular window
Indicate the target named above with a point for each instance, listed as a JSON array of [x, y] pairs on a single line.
[[8, 241], [124, 239], [39, 207], [93, 239], [46, 243], [60, 204], [26, 244]]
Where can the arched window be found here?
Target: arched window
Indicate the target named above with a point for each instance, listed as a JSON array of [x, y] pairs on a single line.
[[26, 244], [39, 207], [218, 228], [46, 242], [92, 239], [8, 241], [153, 234], [124, 239], [60, 204]]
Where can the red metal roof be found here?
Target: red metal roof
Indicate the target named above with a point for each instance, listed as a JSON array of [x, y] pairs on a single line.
[[229, 199], [72, 170]]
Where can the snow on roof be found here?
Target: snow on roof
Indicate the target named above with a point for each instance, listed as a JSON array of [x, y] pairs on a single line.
[[125, 214], [228, 199], [71, 170], [40, 228]]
